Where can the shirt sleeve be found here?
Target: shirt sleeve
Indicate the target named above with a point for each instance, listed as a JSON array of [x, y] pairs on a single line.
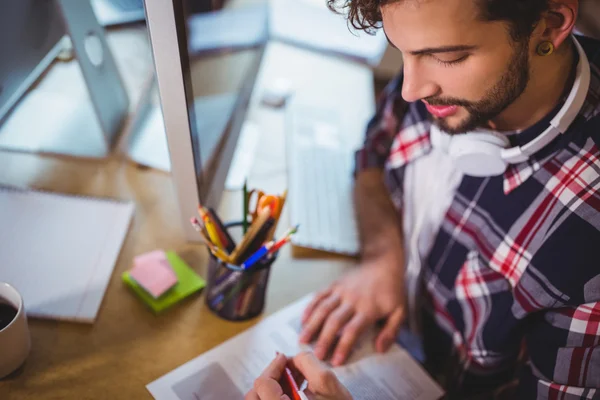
[[382, 128]]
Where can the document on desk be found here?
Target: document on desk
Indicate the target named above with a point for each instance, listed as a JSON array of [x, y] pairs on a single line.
[[59, 250], [229, 370]]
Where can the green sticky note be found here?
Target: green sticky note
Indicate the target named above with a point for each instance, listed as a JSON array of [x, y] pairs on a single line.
[[188, 282]]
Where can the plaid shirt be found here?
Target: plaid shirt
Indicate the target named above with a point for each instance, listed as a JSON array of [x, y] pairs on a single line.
[[515, 293]]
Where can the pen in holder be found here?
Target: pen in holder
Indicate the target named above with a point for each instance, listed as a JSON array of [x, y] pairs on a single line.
[[235, 293]]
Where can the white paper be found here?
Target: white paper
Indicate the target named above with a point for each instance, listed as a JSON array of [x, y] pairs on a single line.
[[229, 370], [60, 251]]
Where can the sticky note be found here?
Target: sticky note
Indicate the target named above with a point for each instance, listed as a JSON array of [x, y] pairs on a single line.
[[188, 282], [153, 272]]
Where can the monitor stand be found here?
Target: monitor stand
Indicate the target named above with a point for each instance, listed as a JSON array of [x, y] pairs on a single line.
[[57, 116]]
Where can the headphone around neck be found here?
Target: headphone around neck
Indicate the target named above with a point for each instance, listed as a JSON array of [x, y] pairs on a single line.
[[484, 153]]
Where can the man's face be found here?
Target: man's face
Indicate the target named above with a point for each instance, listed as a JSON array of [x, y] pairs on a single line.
[[466, 71]]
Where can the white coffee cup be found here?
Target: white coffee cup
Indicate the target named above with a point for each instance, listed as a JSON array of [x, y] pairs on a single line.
[[15, 341]]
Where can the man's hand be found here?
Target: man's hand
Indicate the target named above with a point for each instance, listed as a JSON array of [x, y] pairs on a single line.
[[266, 386], [322, 382], [353, 304]]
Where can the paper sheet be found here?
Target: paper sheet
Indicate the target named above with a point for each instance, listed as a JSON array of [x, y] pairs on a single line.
[[59, 251], [229, 370]]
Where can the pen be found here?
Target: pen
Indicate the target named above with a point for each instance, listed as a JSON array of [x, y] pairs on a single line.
[[291, 382], [258, 255], [222, 299]]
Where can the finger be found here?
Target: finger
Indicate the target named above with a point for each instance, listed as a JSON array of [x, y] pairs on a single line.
[[313, 304], [320, 379], [336, 320], [252, 395], [314, 323], [275, 369], [268, 389], [387, 336], [308, 365], [350, 335]]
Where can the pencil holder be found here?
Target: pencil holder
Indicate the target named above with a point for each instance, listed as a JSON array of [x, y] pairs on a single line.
[[236, 294]]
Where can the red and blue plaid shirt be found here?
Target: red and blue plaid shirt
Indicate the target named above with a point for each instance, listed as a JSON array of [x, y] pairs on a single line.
[[517, 296]]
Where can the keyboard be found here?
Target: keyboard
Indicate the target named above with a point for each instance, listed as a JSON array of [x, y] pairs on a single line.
[[320, 181]]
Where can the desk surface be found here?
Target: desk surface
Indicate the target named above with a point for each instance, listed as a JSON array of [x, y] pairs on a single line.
[[128, 347]]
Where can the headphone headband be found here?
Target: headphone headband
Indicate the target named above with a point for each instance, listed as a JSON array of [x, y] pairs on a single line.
[[563, 119]]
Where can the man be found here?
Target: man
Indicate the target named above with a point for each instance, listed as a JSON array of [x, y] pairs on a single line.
[[498, 274]]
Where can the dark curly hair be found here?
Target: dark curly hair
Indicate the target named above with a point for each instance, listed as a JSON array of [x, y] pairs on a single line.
[[522, 15]]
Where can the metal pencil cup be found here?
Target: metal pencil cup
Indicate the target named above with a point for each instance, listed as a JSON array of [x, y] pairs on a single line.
[[236, 294]]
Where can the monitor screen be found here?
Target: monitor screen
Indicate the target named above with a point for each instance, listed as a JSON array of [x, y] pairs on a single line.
[[220, 51], [30, 33]]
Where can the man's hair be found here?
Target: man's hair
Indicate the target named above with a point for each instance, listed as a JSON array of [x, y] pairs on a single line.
[[522, 15]]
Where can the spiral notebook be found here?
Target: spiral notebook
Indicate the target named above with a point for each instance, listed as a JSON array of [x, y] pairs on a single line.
[[59, 251]]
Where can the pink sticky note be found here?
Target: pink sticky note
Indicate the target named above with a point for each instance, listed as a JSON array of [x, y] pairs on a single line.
[[153, 272]]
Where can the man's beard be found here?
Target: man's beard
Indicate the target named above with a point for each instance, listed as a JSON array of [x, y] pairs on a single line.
[[508, 89]]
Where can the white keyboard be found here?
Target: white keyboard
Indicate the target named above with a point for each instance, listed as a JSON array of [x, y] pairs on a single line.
[[320, 167]]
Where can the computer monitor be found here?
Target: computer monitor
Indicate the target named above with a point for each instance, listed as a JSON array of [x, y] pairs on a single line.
[[204, 96], [30, 35]]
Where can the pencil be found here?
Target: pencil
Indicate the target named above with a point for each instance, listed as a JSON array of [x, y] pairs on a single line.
[[283, 241], [214, 249], [277, 216], [242, 246], [212, 231], [245, 208]]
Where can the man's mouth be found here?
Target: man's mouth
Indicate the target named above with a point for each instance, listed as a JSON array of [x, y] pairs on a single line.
[[441, 111]]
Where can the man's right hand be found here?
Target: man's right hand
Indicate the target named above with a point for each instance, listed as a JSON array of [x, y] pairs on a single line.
[[353, 304]]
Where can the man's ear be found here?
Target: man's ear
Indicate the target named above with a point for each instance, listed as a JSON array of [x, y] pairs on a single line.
[[559, 21]]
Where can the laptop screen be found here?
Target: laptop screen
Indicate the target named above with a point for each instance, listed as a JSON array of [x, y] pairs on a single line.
[[221, 49]]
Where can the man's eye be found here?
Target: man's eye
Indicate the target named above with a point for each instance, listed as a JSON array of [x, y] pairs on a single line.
[[451, 62]]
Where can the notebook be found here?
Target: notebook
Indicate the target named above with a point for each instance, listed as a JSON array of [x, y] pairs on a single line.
[[59, 251]]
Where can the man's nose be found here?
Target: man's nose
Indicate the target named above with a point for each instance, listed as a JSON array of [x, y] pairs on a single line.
[[416, 84]]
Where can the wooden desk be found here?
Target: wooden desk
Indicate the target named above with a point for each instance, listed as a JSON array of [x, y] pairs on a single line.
[[128, 347]]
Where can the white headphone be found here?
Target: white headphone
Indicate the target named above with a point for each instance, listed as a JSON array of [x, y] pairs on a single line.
[[485, 153]]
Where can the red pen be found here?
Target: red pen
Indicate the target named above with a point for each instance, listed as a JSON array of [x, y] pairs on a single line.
[[289, 386], [294, 391]]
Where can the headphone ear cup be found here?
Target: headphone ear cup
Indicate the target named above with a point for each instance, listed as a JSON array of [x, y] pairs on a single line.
[[478, 154]]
